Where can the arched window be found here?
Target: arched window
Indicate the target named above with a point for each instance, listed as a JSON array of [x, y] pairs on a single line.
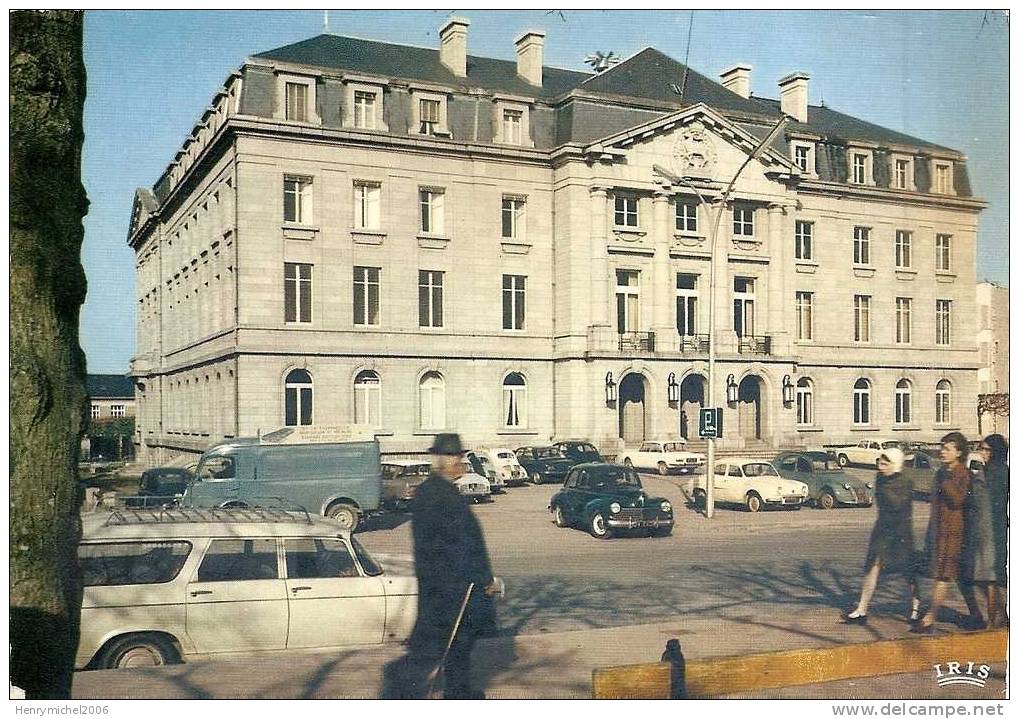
[[432, 396], [903, 402], [861, 402], [943, 402], [804, 402], [514, 400], [368, 398], [298, 398]]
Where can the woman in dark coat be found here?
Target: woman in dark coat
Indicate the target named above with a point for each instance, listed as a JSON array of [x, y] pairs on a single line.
[[994, 451], [945, 532], [891, 545]]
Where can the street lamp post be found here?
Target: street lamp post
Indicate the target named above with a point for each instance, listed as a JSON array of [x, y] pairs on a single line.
[[712, 239]]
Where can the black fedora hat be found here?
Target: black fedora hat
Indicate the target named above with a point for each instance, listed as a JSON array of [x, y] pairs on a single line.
[[447, 443]]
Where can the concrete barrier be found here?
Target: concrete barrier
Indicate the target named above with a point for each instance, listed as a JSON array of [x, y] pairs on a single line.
[[729, 675]]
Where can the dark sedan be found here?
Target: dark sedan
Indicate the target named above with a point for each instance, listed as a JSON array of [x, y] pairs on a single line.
[[544, 464], [828, 484], [607, 498], [579, 451], [160, 486]]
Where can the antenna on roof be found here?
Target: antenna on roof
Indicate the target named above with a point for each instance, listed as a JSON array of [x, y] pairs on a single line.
[[601, 61]]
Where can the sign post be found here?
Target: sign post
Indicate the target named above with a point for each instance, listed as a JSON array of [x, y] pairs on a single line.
[[710, 425]]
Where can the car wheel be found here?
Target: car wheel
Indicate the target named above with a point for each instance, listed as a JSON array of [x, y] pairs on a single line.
[[599, 526], [843, 460], [700, 498], [558, 517], [826, 500], [628, 463], [536, 477], [139, 650], [344, 515], [663, 468], [753, 502]]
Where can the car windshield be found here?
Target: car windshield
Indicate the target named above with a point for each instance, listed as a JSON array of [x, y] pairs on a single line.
[[891, 443], [825, 465], [505, 455], [609, 477], [371, 567], [547, 453], [759, 469], [674, 446]]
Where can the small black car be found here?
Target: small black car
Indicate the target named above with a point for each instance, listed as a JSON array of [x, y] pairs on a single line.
[[159, 486], [605, 498], [579, 451], [544, 464]]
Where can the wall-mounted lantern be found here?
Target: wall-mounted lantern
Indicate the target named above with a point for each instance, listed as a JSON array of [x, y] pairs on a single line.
[[731, 390], [788, 391], [610, 388], [673, 388]]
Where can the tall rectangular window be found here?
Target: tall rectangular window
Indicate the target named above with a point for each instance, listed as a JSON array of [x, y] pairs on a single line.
[[367, 202], [903, 320], [804, 240], [297, 101], [943, 179], [364, 110], [430, 110], [627, 301], [512, 126], [743, 222], [626, 212], [95, 412], [804, 315], [743, 306], [801, 155], [861, 245], [903, 249], [686, 304], [366, 296], [902, 174], [859, 166], [514, 289], [686, 216], [429, 298], [296, 292], [297, 200], [943, 322], [943, 253], [861, 318], [512, 217], [432, 220]]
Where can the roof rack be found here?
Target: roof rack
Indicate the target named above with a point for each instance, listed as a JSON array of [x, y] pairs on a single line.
[[179, 515]]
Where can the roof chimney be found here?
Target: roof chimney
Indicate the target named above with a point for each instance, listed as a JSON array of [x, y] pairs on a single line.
[[530, 52], [794, 95], [453, 45], [737, 79]]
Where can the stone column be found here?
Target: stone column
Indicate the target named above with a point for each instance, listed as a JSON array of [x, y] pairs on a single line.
[[661, 325], [725, 337], [781, 298], [599, 330]]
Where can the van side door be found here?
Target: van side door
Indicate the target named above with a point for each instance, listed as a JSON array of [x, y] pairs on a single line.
[[331, 604]]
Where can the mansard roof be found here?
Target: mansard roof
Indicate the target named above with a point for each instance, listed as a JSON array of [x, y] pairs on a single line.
[[109, 386]]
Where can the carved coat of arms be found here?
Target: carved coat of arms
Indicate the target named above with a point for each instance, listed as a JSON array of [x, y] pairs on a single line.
[[694, 152]]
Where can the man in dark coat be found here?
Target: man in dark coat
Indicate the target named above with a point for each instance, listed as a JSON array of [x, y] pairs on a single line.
[[449, 556]]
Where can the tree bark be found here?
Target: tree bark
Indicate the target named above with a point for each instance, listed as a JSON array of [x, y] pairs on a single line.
[[47, 371]]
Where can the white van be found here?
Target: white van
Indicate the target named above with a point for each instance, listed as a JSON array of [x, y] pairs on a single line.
[[162, 585]]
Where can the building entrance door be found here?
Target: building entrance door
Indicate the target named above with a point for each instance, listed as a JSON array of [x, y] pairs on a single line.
[[632, 409], [749, 408], [691, 399]]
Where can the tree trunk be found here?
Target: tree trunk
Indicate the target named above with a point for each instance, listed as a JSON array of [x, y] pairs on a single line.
[[47, 371]]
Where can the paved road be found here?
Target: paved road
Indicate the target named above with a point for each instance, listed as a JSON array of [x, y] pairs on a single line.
[[736, 564]]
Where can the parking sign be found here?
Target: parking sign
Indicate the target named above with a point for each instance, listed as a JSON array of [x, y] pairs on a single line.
[[710, 422]]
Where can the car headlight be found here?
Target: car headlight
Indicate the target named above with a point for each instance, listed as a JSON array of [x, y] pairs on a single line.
[[614, 507], [845, 485], [666, 507]]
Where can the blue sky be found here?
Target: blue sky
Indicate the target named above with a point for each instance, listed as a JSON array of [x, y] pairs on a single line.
[[941, 76]]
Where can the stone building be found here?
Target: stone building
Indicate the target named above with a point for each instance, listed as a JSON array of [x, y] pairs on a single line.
[[426, 240], [992, 341], [110, 396]]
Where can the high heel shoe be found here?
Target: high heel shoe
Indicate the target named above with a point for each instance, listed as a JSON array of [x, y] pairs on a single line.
[[859, 620]]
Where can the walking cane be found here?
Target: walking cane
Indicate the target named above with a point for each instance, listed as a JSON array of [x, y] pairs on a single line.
[[434, 674]]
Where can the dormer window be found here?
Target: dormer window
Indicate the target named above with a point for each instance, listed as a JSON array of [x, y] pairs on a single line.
[[860, 167], [295, 99], [943, 178], [429, 117], [429, 114], [902, 173], [364, 110], [363, 106], [512, 122], [803, 156]]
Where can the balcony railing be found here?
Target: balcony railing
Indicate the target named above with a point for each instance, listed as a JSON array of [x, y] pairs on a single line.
[[755, 345], [637, 341], [697, 344]]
